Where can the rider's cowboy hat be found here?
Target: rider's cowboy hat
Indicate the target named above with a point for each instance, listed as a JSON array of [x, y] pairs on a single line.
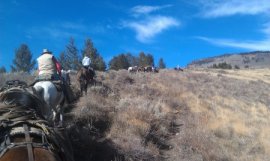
[[46, 51]]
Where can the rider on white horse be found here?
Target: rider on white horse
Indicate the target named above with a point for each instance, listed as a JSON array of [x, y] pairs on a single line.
[[49, 69]]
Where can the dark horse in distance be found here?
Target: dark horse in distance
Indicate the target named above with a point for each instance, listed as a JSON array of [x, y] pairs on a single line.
[[85, 76], [24, 133]]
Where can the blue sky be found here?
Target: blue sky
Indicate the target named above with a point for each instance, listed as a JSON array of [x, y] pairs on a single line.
[[178, 31]]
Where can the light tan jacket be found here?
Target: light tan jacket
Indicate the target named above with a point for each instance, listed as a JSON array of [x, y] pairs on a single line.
[[46, 64]]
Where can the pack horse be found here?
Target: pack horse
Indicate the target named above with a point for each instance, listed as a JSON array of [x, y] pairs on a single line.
[[25, 135]]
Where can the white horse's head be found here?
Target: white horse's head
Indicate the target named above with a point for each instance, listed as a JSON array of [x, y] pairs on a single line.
[[53, 98], [65, 75]]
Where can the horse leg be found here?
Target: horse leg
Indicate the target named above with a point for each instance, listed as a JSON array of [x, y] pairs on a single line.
[[61, 111], [58, 117], [82, 90], [86, 85], [93, 82], [81, 87], [61, 117], [54, 119]]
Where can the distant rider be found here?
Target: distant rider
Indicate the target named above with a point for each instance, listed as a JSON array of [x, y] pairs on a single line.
[[86, 62]]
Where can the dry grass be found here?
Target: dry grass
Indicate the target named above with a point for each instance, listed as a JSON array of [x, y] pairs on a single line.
[[16, 76], [195, 115]]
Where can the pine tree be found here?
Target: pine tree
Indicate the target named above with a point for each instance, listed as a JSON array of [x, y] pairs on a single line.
[[150, 60], [23, 60], [119, 62], [72, 57], [146, 60], [3, 69], [142, 59], [101, 65], [161, 64], [132, 60], [63, 61], [113, 63], [97, 62]]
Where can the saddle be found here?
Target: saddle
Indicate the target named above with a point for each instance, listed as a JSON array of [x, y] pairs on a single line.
[[58, 85], [87, 73], [55, 79], [16, 125]]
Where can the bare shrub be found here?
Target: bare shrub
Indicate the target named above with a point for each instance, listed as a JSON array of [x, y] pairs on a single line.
[[16, 76]]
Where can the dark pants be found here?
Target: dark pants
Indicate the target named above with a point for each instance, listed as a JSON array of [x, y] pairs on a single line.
[[68, 92]]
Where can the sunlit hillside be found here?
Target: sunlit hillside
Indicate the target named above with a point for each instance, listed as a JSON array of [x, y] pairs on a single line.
[[253, 60], [194, 115], [191, 115]]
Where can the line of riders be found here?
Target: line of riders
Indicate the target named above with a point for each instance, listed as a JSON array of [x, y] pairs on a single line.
[[142, 69], [49, 69], [27, 130]]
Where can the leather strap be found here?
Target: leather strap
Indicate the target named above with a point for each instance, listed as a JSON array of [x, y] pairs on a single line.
[[28, 143]]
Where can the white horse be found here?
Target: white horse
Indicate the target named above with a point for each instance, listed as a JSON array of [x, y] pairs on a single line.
[[53, 98], [65, 75], [132, 69]]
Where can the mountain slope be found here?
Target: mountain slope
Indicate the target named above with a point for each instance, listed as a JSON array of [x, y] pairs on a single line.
[[220, 114], [257, 59], [195, 115]]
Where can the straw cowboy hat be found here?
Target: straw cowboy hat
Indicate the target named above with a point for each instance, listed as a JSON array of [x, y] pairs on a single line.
[[46, 51]]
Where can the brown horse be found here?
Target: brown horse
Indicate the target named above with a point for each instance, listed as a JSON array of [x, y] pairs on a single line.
[[84, 77], [24, 134]]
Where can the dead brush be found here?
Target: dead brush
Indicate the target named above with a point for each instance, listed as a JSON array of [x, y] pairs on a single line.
[[16, 76], [159, 134]]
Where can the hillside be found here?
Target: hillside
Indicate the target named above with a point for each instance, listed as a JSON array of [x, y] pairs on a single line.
[[255, 60], [195, 115]]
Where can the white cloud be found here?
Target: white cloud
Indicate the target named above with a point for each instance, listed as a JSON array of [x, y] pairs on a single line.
[[57, 30], [251, 45], [146, 24], [151, 26], [266, 29], [138, 10], [73, 26], [220, 8], [50, 32]]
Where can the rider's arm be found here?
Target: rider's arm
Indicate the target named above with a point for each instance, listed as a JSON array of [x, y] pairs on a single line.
[[58, 65]]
